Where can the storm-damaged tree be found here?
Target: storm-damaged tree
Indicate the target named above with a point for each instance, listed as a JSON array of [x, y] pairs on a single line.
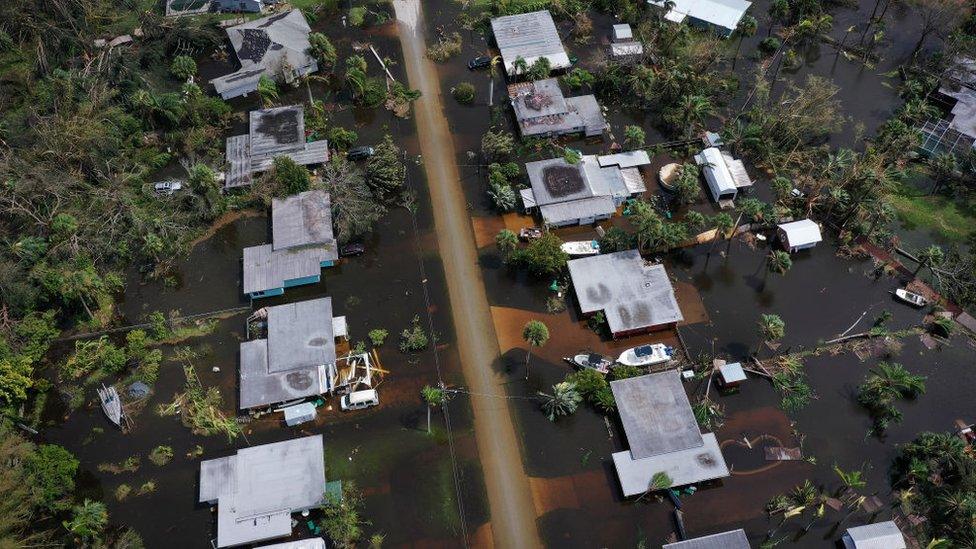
[[385, 170], [355, 209], [771, 328]]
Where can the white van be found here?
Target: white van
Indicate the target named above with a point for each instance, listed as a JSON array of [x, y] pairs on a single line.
[[360, 399]]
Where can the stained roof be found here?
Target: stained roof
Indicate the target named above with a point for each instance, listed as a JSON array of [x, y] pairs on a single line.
[[276, 130], [733, 539], [632, 293], [301, 220], [656, 414], [881, 535], [529, 36], [264, 46], [257, 489], [683, 467], [582, 208], [260, 387], [300, 335], [271, 133], [628, 159]]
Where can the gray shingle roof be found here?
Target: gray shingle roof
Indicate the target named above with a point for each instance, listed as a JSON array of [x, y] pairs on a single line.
[[733, 539], [632, 294], [266, 268], [562, 212], [276, 130], [258, 489], [656, 414]]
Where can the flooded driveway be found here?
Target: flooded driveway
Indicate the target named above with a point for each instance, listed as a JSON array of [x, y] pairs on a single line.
[[512, 512]]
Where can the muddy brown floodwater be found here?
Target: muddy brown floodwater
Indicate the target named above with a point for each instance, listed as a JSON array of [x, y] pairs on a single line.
[[512, 512]]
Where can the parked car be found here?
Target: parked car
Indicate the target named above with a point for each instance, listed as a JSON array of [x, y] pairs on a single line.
[[166, 188], [480, 62], [360, 153], [359, 399], [351, 249]]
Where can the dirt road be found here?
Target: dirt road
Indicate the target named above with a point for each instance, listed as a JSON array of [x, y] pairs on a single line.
[[509, 497]]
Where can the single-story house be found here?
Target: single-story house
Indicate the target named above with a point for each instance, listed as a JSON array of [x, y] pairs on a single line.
[[585, 192], [733, 539], [799, 235], [302, 243], [257, 489], [634, 295], [529, 36], [296, 360], [881, 535], [663, 435], [275, 46], [310, 543], [724, 175], [955, 132], [271, 133], [719, 16], [542, 110]]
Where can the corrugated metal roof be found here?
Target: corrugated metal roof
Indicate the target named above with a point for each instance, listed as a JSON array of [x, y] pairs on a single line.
[[717, 175], [631, 293], [622, 31], [258, 488], [721, 13], [656, 414], [733, 539], [688, 466], [529, 36], [732, 372], [881, 535], [301, 220], [268, 269], [583, 208], [276, 130], [626, 49], [801, 233]]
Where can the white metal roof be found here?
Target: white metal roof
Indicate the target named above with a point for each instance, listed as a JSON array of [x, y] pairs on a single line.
[[529, 36], [717, 174], [721, 13], [733, 539], [801, 233], [310, 543], [629, 159], [881, 535], [732, 372], [622, 31], [689, 466]]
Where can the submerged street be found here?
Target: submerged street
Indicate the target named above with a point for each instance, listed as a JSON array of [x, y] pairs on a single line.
[[512, 513]]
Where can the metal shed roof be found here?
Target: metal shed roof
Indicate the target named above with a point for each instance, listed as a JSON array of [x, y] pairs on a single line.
[[257, 489], [562, 212], [733, 539], [881, 535], [721, 13], [311, 543], [303, 219], [628, 159], [632, 293], [656, 414], [689, 466], [622, 31], [720, 180], [732, 372], [529, 36], [801, 233]]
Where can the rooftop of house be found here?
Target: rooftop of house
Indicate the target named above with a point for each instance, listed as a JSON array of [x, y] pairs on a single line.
[[632, 293], [721, 13], [300, 335], [529, 36], [541, 108], [301, 220], [267, 269], [656, 414], [733, 539], [881, 535], [265, 46], [257, 489], [277, 130], [683, 467]]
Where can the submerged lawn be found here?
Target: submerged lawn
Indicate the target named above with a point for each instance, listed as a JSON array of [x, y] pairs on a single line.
[[952, 218]]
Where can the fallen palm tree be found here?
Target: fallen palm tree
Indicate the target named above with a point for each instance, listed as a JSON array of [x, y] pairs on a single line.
[[199, 407]]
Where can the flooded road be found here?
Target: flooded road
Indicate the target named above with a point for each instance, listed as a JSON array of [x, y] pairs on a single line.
[[512, 512]]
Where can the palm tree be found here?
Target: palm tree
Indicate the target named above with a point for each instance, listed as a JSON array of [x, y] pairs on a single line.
[[772, 328], [536, 334], [779, 262], [562, 402], [851, 479], [779, 10], [930, 257], [268, 90], [694, 109], [506, 241], [747, 27], [87, 520], [520, 65], [433, 397]]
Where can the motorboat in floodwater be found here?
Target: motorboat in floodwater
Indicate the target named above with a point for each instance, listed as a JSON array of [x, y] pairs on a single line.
[[913, 299], [111, 404], [592, 361], [646, 355], [581, 247]]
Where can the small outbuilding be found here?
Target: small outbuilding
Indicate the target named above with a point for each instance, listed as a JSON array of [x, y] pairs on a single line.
[[299, 413], [799, 235], [725, 175], [310, 543], [731, 375], [622, 33], [881, 535], [529, 36], [733, 539]]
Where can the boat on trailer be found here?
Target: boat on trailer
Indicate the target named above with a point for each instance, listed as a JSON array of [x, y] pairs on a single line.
[[646, 355], [913, 299], [111, 404], [581, 247], [586, 360], [530, 233]]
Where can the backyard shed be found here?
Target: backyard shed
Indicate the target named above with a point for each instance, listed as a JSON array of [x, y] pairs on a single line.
[[257, 489], [635, 296], [310, 543], [299, 413], [529, 36], [276, 46], [732, 374], [724, 175], [733, 539], [622, 33], [799, 235], [881, 535], [719, 16]]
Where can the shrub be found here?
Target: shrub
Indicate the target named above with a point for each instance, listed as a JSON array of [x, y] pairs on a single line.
[[463, 92], [341, 138], [446, 47], [183, 67], [414, 339], [161, 455], [51, 471], [769, 45], [377, 336]]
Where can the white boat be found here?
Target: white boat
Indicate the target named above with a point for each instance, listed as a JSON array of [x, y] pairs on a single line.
[[592, 361], [581, 247], [911, 298], [646, 355], [111, 404]]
